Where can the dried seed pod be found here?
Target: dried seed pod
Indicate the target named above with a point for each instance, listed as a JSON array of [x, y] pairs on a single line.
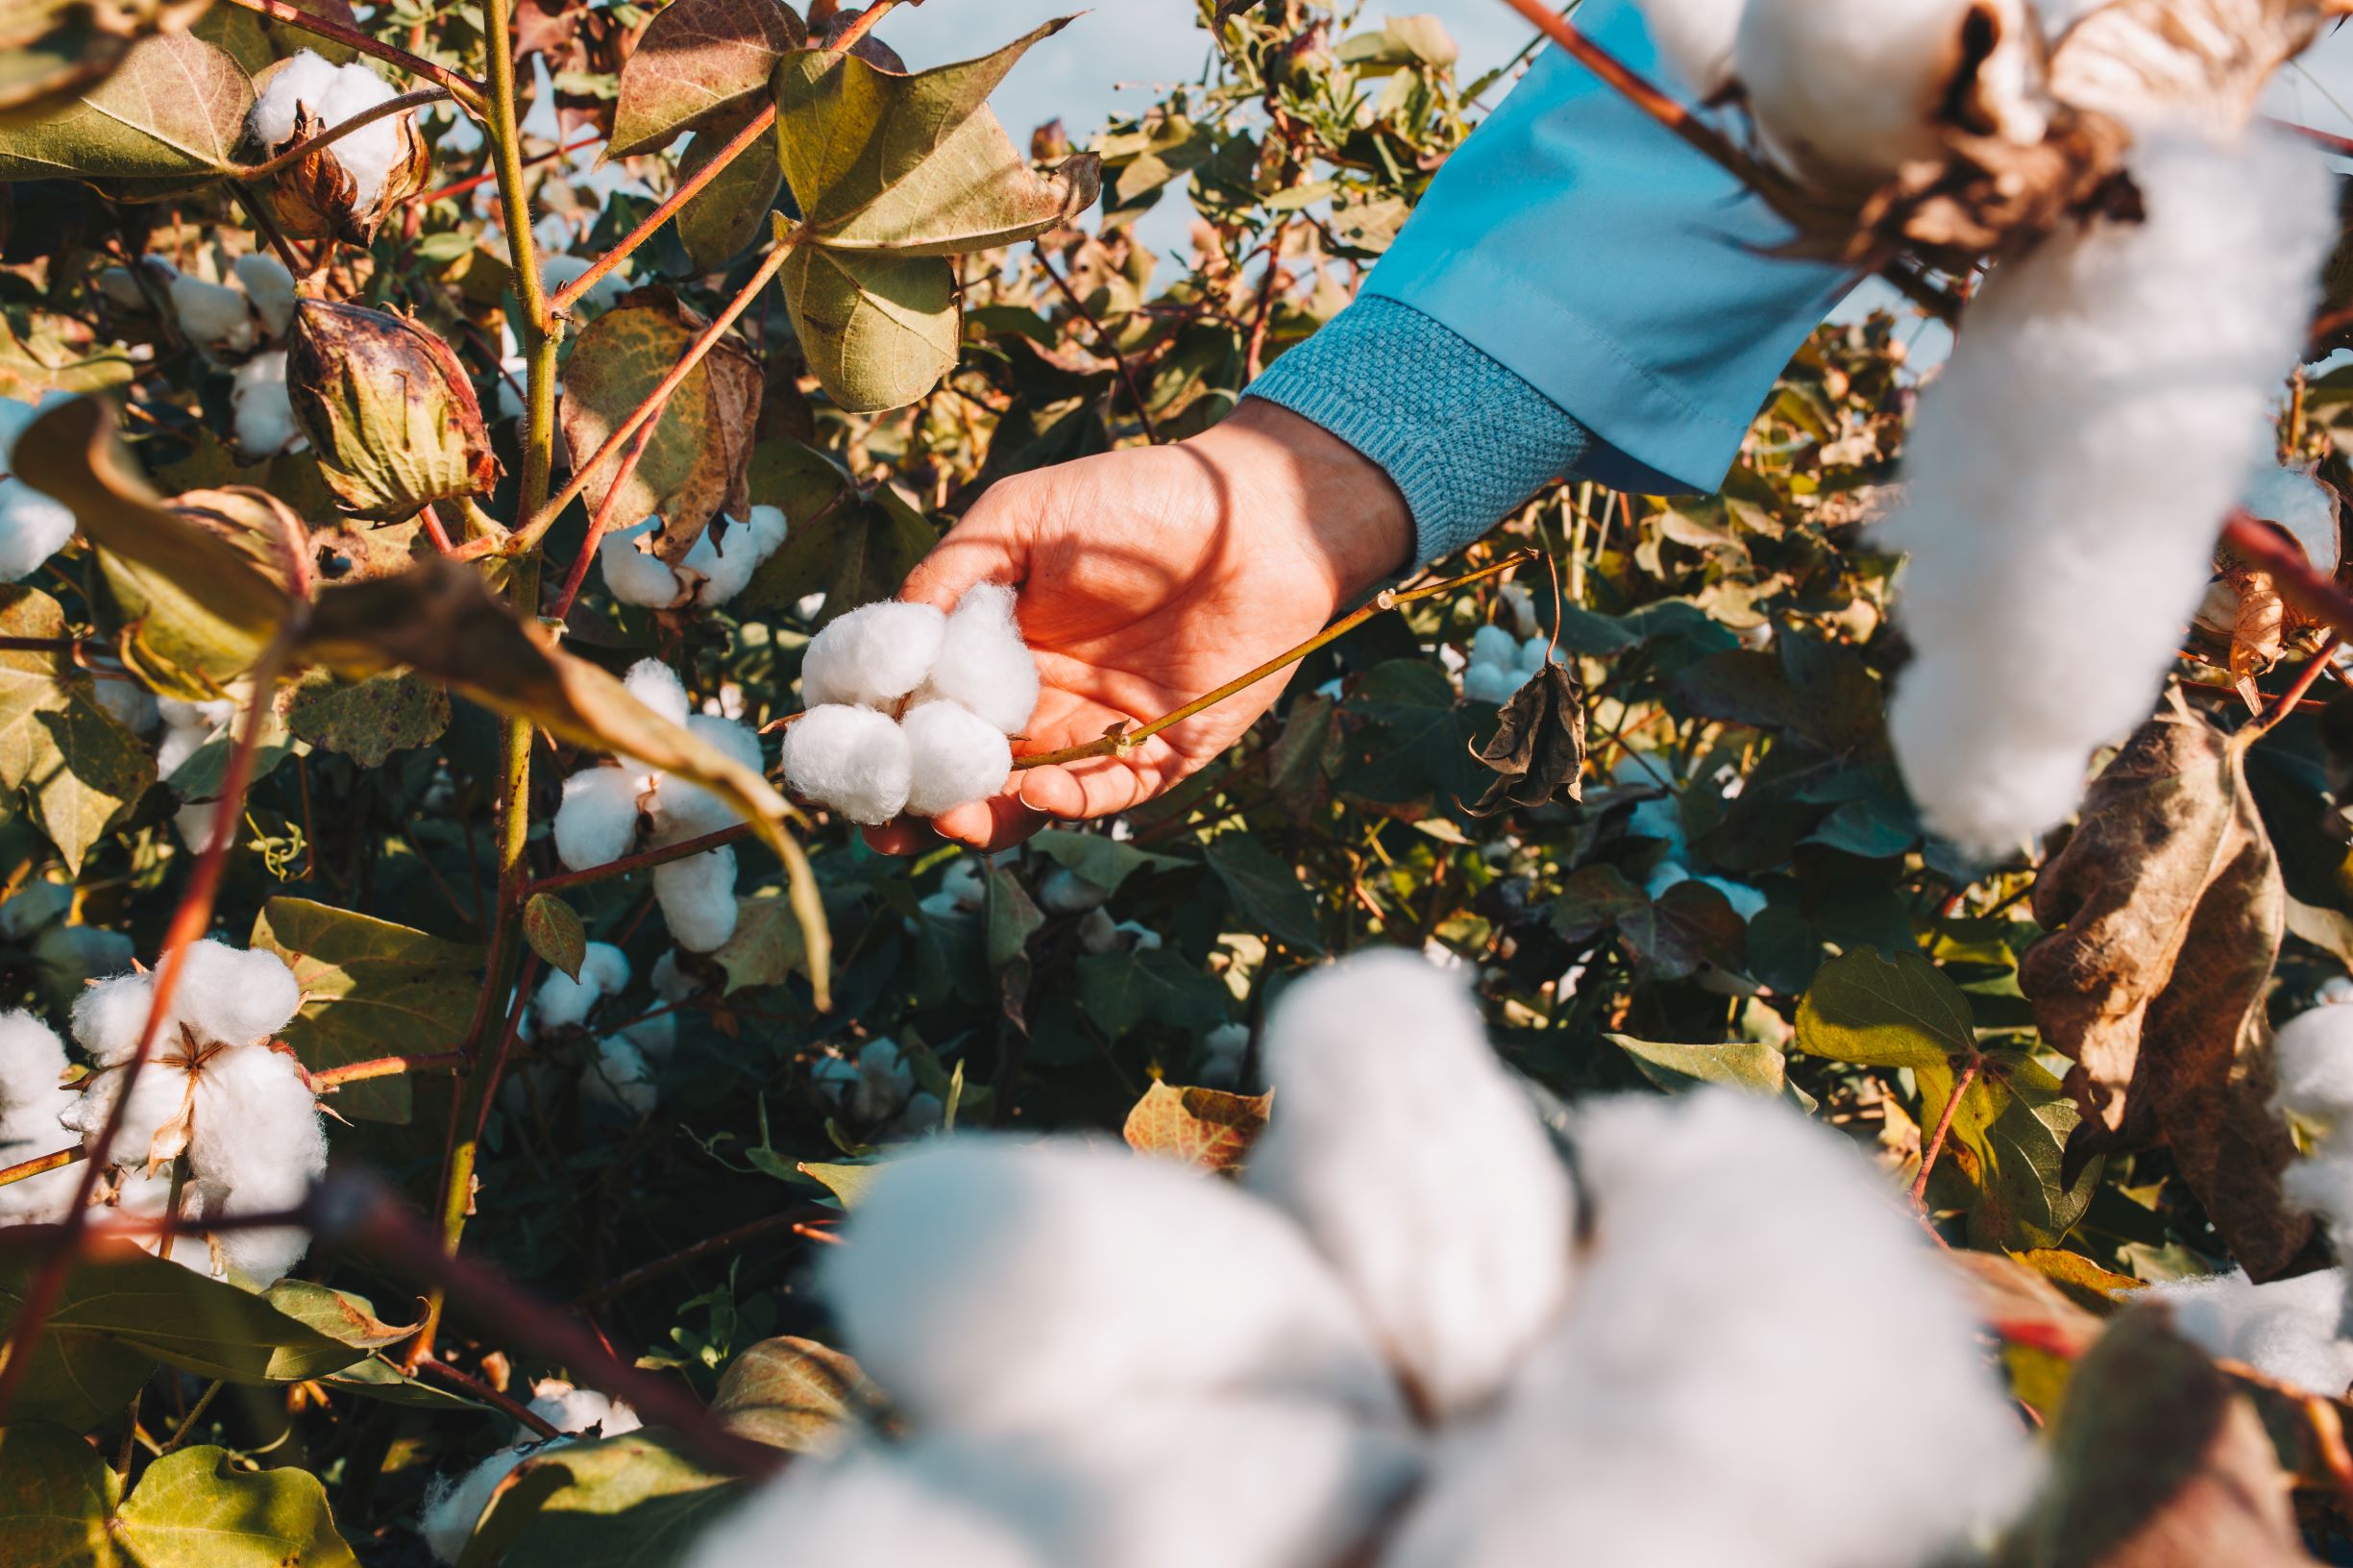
[[347, 187], [2243, 611], [388, 408]]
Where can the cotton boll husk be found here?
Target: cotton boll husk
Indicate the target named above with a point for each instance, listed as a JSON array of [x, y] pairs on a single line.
[[655, 1038], [270, 287], [575, 1410], [561, 1001], [1418, 1168], [217, 320], [596, 823], [1668, 1421], [2312, 1055], [983, 664], [1492, 645], [631, 575], [868, 1506], [108, 1017], [967, 881], [2068, 468], [620, 1077], [855, 760], [234, 994], [991, 1285], [1695, 39], [1845, 92], [264, 414], [871, 1089], [872, 656], [697, 898], [1491, 683], [954, 756], [451, 1510], [2286, 1330], [1064, 892], [686, 810], [256, 1126]]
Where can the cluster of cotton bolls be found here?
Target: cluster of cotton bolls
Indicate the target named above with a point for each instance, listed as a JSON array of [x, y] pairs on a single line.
[[1658, 783], [34, 1100], [37, 919], [600, 819], [239, 323], [334, 93], [876, 1090], [622, 1074], [454, 1508], [1501, 664], [33, 526], [910, 710], [217, 1090], [1389, 1344], [713, 572]]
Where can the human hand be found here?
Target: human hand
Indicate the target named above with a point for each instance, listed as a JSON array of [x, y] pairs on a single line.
[[1149, 577]]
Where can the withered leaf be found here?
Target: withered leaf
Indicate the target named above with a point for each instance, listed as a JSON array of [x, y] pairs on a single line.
[[698, 62], [389, 408], [1204, 1127], [1538, 751], [2165, 912]]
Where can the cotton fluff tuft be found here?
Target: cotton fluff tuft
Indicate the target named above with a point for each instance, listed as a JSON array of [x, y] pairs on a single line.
[[334, 94], [633, 577], [1674, 1420], [31, 1099], [2295, 499], [218, 320], [1064, 892], [1491, 683], [597, 821], [983, 664], [2287, 1328], [2313, 1056], [235, 996], [270, 287], [872, 656], [2070, 468], [658, 687], [264, 413], [991, 1285], [33, 526], [697, 898], [576, 1411], [1695, 39], [451, 1510], [870, 1505], [874, 1087], [683, 809], [562, 1002], [856, 760], [723, 568], [953, 755], [1418, 1168]]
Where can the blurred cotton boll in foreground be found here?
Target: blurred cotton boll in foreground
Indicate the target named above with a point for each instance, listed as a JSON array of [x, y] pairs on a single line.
[[33, 528]]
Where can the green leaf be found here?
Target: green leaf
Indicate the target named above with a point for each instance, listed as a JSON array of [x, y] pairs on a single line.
[[341, 1316], [1011, 918], [1742, 1063], [726, 215], [1101, 859], [56, 1497], [2008, 1136], [367, 720], [1593, 900], [792, 1394], [854, 553], [370, 989], [847, 1183], [1119, 990], [31, 683], [879, 331], [1266, 890], [80, 1379], [767, 948], [699, 62], [86, 767], [1204, 1127], [1886, 1012], [191, 1507], [552, 928], [173, 110], [626, 1502]]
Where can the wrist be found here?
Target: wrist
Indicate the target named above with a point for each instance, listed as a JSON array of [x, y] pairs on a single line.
[[1290, 474]]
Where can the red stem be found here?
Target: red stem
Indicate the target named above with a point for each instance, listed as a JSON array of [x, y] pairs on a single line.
[[40, 1163], [761, 124], [476, 182], [1944, 1126], [442, 1372], [638, 862], [386, 1067], [603, 520]]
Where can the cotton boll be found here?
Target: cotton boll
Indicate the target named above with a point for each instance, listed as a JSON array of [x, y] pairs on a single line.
[[1535, 654], [1494, 645], [217, 320], [1491, 683], [233, 994], [621, 1077], [1064, 892], [767, 526], [452, 1510], [2286, 1330], [954, 756], [1522, 606], [655, 1038], [2312, 1055], [108, 1017], [371, 153], [872, 656], [194, 822], [657, 686], [686, 810], [726, 568], [2296, 499], [31, 1059], [32, 1100], [596, 823], [270, 287], [698, 899], [869, 1505], [2069, 470], [562, 1002], [33, 526], [1695, 39], [307, 79], [1419, 1168], [1669, 1421], [1222, 1050], [264, 414], [1097, 932], [578, 1411], [256, 1128], [132, 705], [991, 1285], [122, 289], [855, 760], [631, 575], [670, 982], [967, 881], [983, 663], [260, 1256], [873, 1088], [155, 1105]]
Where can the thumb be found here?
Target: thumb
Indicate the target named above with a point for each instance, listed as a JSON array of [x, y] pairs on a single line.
[[985, 546]]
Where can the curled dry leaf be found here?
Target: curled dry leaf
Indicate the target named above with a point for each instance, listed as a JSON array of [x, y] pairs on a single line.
[[2139, 61], [1204, 1127], [389, 409], [2165, 912], [1538, 751]]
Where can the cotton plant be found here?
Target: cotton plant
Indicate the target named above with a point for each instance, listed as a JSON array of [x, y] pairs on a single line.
[[453, 1508], [217, 1090], [910, 710], [1408, 1335], [623, 1072], [33, 526], [1501, 664], [609, 811], [875, 1089], [712, 572], [347, 187]]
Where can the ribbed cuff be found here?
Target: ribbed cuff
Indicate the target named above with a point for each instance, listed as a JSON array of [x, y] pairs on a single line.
[[1464, 439]]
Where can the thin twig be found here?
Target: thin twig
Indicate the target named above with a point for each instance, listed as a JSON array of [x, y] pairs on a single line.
[[476, 182], [645, 860], [40, 1163], [1943, 1127], [603, 520], [1104, 342], [688, 190], [449, 1377], [336, 132], [708, 1247], [196, 1413], [327, 1079]]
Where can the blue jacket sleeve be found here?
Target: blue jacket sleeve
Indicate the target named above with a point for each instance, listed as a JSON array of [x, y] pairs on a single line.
[[1601, 266]]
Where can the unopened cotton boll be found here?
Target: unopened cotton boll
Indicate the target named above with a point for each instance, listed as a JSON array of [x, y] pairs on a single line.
[[2069, 468], [953, 756], [983, 664], [855, 760], [872, 656], [631, 575], [33, 526], [993, 1286], [2287, 1329], [270, 287], [578, 1411], [264, 413], [1667, 1421], [218, 320], [235, 996], [1418, 1168], [2313, 1056], [596, 823], [869, 1505], [683, 809], [697, 898]]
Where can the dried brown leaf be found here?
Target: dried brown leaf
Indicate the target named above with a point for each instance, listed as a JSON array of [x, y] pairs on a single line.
[[696, 62], [1204, 1127], [1538, 751]]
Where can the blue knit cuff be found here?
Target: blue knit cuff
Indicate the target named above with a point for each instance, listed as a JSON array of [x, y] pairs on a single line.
[[1465, 440]]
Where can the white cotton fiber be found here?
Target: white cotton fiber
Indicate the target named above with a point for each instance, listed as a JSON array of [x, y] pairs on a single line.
[[1845, 92], [1492, 645], [670, 981], [967, 881], [596, 823], [155, 1105], [256, 1126], [725, 566], [270, 287], [631, 575], [33, 526], [2313, 1056], [219, 321], [108, 1017], [1222, 1053], [620, 1077], [855, 760], [686, 810], [578, 1410], [257, 1259], [869, 1505], [2296, 500], [1064, 892], [1695, 39], [990, 1285], [2287, 1329], [1418, 1168], [873, 1088], [697, 898], [872, 656], [2070, 468], [31, 1059], [334, 94], [562, 1002], [129, 703], [232, 996], [308, 78], [1491, 683], [31, 1099], [657, 686], [983, 664], [1717, 1391], [953, 756], [452, 1510], [265, 424], [767, 526]]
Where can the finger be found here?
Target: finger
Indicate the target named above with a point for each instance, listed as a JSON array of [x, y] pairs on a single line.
[[996, 823], [984, 548], [1081, 791]]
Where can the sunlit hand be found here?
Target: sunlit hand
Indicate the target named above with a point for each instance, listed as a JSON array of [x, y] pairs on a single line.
[[1150, 577]]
